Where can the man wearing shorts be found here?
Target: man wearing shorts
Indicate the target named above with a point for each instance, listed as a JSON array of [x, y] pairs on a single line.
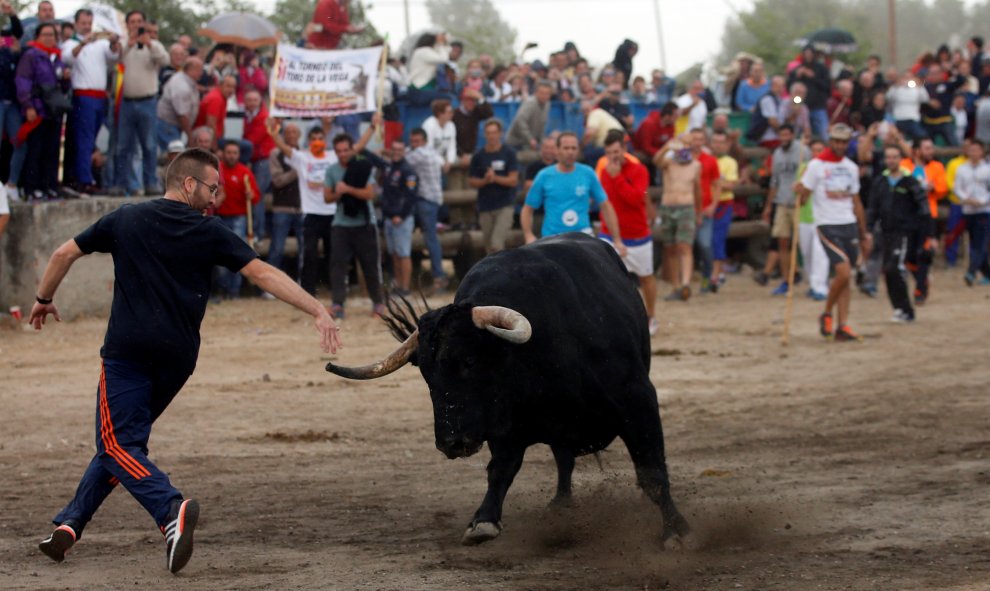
[[728, 170], [164, 251], [680, 213], [832, 182], [565, 191], [400, 192], [787, 158], [625, 181]]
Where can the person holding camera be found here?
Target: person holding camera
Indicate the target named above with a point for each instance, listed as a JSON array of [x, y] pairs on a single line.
[[137, 121], [42, 90]]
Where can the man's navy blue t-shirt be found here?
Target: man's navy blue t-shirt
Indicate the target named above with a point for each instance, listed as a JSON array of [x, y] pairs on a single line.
[[163, 253], [503, 161]]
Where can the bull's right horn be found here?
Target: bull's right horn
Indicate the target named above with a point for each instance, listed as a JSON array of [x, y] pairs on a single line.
[[397, 359], [505, 323]]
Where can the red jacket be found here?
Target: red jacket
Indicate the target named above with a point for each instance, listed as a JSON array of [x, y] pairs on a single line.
[[627, 194], [256, 133], [232, 180], [652, 134], [213, 103], [250, 78], [334, 19]]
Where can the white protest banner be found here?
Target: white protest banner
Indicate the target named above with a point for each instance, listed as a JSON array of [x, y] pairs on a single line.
[[107, 19], [317, 83]]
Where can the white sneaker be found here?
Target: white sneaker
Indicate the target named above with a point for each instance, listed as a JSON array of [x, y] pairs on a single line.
[[13, 192], [901, 317], [654, 326], [267, 296]]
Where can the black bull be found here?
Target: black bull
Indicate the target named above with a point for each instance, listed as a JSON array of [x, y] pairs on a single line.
[[547, 343]]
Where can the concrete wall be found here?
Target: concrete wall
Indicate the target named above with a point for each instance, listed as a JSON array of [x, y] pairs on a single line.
[[34, 232]]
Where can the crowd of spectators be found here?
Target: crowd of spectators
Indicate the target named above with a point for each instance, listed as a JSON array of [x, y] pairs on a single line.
[[149, 102]]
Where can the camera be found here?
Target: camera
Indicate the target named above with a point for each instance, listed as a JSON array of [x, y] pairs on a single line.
[[141, 31]]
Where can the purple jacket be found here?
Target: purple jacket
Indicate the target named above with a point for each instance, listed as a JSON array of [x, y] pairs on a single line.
[[37, 69]]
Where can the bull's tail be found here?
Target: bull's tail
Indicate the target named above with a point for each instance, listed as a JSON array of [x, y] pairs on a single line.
[[402, 319]]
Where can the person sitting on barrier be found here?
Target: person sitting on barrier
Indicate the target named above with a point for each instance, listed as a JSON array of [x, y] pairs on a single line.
[[441, 132], [530, 121], [494, 172], [469, 114]]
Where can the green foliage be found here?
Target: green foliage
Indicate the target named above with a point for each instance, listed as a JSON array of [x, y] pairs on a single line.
[[771, 27], [174, 18], [477, 24]]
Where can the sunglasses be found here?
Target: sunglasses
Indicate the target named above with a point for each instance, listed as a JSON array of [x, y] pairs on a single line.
[[213, 188]]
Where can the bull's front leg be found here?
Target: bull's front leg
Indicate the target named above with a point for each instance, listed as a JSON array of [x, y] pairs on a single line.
[[502, 469]]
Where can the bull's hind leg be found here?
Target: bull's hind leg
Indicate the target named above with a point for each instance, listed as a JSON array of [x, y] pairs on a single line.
[[565, 468], [643, 436], [502, 469]]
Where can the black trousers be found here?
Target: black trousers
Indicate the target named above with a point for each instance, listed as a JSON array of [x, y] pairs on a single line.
[[315, 229], [360, 242], [40, 171], [900, 249]]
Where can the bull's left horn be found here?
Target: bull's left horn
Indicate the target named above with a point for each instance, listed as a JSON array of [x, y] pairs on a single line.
[[505, 323], [397, 359]]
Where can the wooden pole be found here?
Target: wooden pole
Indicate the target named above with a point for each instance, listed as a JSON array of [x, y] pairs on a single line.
[[786, 338], [250, 214], [381, 87]]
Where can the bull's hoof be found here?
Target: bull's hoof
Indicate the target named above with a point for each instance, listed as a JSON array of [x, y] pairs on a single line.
[[680, 543], [561, 502], [478, 533]]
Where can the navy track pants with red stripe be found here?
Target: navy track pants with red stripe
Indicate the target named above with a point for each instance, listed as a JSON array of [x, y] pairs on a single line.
[[130, 397]]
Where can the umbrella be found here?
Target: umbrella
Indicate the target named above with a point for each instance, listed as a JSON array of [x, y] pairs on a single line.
[[830, 41], [241, 28]]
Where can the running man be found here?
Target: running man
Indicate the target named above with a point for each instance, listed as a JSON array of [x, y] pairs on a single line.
[[163, 252], [832, 182]]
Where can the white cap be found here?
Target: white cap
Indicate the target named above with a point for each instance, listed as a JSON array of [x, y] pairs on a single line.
[[176, 146]]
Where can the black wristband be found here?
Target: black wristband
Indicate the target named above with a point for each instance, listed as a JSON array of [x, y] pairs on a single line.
[[42, 300]]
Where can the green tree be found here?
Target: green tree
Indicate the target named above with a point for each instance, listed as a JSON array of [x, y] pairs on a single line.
[[173, 18], [477, 24], [770, 28]]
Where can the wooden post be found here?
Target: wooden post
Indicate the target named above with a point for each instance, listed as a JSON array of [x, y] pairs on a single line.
[[786, 338], [380, 132]]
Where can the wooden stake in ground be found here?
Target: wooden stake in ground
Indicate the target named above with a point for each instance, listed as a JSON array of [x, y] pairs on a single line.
[[786, 338]]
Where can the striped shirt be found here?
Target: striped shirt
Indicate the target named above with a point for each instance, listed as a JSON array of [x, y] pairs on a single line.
[[428, 166]]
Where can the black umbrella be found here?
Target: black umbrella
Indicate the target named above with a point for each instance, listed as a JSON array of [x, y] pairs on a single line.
[[830, 41]]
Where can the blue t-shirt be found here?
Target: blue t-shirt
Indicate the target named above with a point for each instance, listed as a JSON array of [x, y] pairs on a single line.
[[565, 197]]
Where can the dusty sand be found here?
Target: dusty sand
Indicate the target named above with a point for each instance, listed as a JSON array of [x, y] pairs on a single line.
[[818, 466]]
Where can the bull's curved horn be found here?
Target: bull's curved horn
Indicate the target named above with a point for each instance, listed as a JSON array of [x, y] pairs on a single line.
[[394, 361], [505, 323]]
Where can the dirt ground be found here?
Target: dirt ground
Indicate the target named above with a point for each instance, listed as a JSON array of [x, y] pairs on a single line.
[[818, 466]]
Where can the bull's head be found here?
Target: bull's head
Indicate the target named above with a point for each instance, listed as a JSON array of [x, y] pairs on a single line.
[[464, 354]]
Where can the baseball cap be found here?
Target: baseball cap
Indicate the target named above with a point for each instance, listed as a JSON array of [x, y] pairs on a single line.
[[840, 131], [176, 146]]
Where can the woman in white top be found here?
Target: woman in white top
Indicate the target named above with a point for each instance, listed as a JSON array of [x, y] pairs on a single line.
[[441, 134], [431, 51], [904, 101]]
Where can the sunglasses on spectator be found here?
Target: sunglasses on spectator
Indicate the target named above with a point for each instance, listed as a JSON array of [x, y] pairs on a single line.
[[213, 188]]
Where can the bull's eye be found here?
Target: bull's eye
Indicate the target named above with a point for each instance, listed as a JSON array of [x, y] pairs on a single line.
[[468, 363]]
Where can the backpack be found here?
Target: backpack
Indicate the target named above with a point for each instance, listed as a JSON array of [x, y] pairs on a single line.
[[758, 124]]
